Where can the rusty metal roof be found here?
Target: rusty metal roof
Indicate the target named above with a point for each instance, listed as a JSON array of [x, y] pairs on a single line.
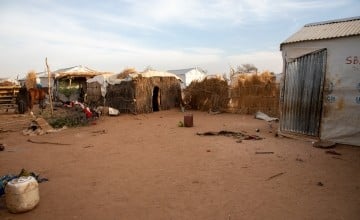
[[326, 30]]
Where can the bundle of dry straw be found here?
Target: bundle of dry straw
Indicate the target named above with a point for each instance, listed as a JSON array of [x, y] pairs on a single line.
[[209, 94], [126, 72], [30, 81], [253, 92]]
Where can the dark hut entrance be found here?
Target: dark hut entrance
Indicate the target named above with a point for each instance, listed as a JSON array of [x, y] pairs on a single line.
[[156, 99]]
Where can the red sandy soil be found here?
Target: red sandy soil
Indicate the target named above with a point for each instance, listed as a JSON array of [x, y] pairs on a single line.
[[146, 167]]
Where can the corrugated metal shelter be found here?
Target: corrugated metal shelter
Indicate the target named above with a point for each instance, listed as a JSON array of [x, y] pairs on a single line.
[[320, 92]]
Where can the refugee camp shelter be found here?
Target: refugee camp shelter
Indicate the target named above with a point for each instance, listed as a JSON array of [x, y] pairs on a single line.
[[320, 93], [70, 83], [96, 89], [144, 92], [189, 75]]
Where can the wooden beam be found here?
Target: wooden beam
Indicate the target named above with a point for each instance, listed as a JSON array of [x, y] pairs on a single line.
[[49, 89]]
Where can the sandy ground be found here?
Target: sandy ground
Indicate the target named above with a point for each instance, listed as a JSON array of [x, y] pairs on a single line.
[[146, 167]]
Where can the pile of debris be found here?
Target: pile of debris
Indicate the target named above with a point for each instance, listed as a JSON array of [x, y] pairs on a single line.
[[38, 126], [237, 135]]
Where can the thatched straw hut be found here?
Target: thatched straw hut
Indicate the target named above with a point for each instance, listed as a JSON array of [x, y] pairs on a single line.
[[137, 92]]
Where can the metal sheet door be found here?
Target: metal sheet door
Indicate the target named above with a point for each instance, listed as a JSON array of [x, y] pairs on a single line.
[[302, 94]]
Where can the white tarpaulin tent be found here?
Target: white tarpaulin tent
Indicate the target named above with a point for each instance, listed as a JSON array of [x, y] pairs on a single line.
[[189, 75]]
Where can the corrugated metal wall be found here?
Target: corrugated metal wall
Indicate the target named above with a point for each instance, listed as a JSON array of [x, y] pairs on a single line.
[[302, 94]]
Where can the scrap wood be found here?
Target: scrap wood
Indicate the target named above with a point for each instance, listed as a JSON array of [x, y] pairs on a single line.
[[299, 159], [332, 152], [100, 131], [276, 175], [320, 184], [264, 152], [6, 130], [252, 137], [88, 146], [323, 144], [222, 133], [44, 125], [338, 158], [45, 142]]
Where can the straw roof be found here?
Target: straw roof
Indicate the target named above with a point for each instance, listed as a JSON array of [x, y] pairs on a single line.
[[76, 71]]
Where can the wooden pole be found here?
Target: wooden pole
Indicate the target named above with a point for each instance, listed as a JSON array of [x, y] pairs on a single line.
[[49, 86]]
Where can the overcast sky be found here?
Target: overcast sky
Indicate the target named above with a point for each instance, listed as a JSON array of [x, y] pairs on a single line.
[[163, 34]]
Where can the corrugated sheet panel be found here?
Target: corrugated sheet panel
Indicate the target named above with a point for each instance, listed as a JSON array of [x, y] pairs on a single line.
[[302, 95], [326, 30]]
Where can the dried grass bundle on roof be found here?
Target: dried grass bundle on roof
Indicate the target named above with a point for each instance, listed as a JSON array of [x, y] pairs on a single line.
[[254, 93], [30, 81], [126, 72], [209, 94]]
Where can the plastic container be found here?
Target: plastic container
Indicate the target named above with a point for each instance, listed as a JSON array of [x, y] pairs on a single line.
[[188, 120], [22, 194]]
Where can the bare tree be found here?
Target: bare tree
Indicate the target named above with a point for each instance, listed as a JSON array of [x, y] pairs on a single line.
[[246, 68]]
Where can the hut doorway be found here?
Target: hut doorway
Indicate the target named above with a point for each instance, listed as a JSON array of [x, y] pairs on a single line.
[[156, 99]]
